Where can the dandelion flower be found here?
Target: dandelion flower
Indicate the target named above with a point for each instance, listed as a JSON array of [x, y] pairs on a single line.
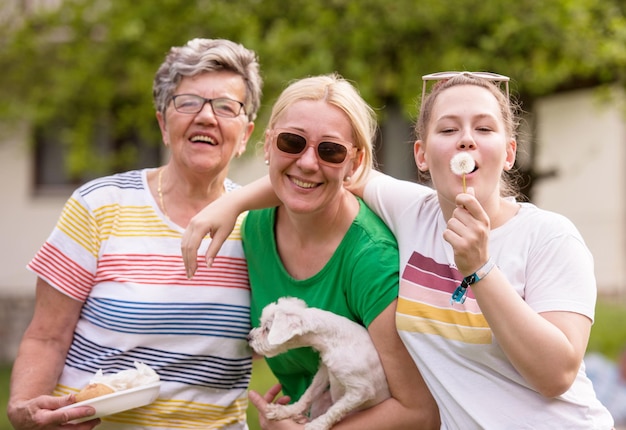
[[462, 164]]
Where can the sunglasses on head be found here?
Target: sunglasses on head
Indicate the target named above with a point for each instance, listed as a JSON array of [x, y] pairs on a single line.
[[439, 76], [332, 152]]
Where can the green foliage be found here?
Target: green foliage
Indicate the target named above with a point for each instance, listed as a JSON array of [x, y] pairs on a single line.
[[91, 60], [608, 333]]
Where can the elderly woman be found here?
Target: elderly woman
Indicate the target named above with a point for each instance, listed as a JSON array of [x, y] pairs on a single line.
[[111, 286]]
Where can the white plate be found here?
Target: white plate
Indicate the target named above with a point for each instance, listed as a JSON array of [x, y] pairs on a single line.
[[119, 401]]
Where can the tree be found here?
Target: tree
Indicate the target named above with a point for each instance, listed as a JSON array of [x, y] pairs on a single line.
[[91, 62]]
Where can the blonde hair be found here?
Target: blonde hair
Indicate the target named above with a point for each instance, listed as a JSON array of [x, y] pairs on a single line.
[[337, 91]]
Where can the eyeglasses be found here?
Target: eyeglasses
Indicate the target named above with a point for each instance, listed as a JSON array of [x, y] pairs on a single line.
[[329, 152], [222, 106], [493, 77]]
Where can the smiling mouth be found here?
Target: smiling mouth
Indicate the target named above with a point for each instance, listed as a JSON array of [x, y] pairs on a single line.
[[303, 184], [203, 139]]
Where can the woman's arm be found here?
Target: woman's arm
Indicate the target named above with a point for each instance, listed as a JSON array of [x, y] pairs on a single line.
[[546, 349], [411, 406], [40, 361], [218, 220]]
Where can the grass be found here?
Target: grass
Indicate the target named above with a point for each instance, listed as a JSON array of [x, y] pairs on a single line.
[[5, 373], [262, 380], [608, 335]]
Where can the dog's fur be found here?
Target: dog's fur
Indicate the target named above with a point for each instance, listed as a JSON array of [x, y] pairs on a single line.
[[349, 361]]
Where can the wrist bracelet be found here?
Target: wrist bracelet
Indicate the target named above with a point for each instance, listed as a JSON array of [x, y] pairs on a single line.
[[460, 294]]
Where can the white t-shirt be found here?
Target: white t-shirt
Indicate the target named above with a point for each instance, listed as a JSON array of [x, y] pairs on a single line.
[[547, 262]]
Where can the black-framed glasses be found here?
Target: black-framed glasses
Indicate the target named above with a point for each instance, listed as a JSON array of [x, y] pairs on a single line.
[[222, 106], [493, 77], [332, 152]]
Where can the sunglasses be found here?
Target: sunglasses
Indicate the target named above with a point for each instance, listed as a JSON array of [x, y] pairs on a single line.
[[331, 152], [439, 76]]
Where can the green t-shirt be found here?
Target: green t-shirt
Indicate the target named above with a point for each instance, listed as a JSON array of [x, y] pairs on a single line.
[[358, 282]]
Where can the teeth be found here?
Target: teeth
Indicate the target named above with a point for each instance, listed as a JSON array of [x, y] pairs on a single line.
[[303, 184], [201, 138]]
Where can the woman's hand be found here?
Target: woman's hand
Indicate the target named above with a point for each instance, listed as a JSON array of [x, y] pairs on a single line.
[[41, 413], [218, 219], [261, 402], [468, 233], [39, 363]]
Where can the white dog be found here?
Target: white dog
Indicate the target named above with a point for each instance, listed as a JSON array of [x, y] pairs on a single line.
[[349, 361]]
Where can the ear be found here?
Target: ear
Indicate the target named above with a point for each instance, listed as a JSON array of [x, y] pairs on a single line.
[[420, 156], [511, 151], [356, 163], [241, 148], [163, 127], [284, 327]]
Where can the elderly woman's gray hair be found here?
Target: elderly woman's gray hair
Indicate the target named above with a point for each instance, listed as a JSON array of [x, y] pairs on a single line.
[[207, 55]]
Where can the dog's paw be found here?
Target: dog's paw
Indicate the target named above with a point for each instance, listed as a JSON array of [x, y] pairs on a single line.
[[275, 412]]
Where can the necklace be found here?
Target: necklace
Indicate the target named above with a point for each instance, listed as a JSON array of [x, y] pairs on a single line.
[[159, 192]]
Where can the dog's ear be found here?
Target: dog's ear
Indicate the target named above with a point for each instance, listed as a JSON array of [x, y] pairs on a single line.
[[284, 327]]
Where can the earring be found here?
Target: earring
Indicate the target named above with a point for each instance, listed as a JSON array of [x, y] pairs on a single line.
[[267, 162], [347, 179]]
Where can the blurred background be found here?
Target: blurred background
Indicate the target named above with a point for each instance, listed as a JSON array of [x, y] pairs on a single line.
[[76, 102]]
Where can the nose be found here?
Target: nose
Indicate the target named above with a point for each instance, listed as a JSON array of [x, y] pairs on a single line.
[[308, 158], [467, 141], [206, 114]]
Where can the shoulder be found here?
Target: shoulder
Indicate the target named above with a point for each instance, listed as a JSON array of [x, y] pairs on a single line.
[[546, 223], [396, 188], [396, 200], [254, 219], [371, 225], [131, 180]]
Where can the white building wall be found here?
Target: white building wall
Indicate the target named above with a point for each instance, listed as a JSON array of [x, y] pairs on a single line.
[[584, 138], [26, 219]]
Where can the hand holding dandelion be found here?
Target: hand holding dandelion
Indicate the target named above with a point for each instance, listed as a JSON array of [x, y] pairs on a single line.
[[462, 164]]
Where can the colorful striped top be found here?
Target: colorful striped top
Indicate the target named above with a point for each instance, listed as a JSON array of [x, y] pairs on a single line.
[[545, 260], [114, 250]]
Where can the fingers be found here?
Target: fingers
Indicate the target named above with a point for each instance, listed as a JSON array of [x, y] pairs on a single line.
[[44, 412], [75, 413], [258, 401], [217, 240], [271, 394], [191, 240]]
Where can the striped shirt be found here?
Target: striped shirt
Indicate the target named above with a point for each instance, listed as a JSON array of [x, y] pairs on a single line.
[[544, 259], [114, 250]]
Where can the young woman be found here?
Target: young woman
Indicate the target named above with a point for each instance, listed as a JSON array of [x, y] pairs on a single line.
[[319, 242], [510, 356]]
